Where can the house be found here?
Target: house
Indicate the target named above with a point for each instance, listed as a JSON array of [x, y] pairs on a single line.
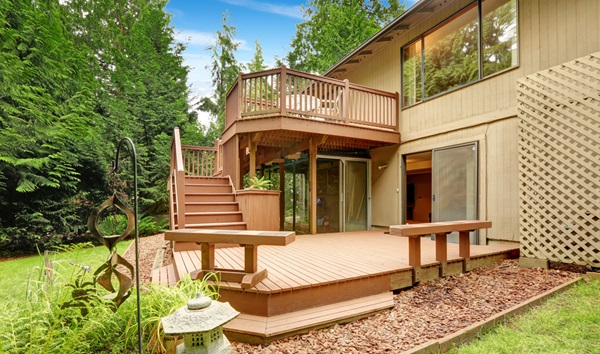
[[499, 121], [458, 109]]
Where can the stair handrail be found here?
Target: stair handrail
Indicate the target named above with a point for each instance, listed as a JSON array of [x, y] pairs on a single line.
[[178, 175]]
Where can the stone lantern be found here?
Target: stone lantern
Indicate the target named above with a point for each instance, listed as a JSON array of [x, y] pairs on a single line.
[[201, 325]]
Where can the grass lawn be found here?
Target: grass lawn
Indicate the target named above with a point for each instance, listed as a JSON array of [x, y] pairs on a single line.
[[567, 323], [16, 274]]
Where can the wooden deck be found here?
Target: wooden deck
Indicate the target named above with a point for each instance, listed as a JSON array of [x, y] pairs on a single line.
[[324, 279]]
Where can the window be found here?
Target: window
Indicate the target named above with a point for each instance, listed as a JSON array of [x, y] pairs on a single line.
[[412, 69], [499, 35], [478, 41]]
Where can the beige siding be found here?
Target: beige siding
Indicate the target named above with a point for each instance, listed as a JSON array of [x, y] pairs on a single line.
[[551, 32], [385, 191]]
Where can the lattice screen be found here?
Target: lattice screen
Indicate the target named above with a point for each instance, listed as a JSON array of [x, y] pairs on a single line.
[[559, 162]]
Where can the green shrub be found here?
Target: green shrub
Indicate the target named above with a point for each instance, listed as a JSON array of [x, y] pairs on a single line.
[[149, 225], [261, 183], [46, 323]]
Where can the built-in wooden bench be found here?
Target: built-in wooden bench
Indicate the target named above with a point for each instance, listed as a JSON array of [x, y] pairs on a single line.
[[441, 229], [249, 239]]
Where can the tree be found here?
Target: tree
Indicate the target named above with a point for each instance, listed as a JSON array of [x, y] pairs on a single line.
[[46, 124], [332, 29], [258, 62], [75, 77], [142, 88], [224, 70]]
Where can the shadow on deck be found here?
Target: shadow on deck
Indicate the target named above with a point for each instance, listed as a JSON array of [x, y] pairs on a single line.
[[320, 280]]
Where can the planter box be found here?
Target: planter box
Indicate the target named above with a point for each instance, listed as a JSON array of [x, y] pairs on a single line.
[[260, 209]]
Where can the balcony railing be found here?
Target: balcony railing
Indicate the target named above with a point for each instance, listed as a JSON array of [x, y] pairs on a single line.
[[292, 93]]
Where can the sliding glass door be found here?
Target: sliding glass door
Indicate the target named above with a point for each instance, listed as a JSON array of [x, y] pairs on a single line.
[[454, 185]]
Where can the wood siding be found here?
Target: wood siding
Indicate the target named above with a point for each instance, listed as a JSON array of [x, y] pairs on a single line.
[[551, 32]]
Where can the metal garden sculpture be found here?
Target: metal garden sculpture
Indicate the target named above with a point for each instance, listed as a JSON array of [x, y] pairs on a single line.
[[116, 265]]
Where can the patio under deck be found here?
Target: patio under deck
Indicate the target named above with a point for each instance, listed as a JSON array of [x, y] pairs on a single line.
[[319, 280]]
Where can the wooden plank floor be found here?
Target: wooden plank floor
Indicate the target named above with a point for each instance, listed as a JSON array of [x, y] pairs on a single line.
[[317, 260]]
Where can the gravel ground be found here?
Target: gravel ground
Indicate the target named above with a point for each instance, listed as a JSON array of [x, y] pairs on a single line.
[[429, 311]]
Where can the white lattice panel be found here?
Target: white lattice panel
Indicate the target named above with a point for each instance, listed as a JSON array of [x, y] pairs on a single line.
[[559, 162]]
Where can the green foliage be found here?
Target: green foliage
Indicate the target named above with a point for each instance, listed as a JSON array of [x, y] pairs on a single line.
[[262, 183], [75, 78], [44, 324], [258, 62], [148, 225], [331, 29], [224, 69]]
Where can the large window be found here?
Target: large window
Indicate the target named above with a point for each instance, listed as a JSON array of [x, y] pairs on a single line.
[[479, 41]]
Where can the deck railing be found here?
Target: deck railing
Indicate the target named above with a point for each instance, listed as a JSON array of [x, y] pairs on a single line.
[[189, 161], [287, 92], [202, 160]]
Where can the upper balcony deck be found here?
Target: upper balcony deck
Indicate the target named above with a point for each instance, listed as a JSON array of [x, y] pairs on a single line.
[[287, 103]]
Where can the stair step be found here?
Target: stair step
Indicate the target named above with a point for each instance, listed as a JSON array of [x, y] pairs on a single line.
[[208, 188], [211, 206], [258, 329], [213, 217], [218, 226], [206, 180], [210, 197]]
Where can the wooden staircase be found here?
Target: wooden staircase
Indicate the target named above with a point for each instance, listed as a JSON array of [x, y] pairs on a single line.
[[210, 203]]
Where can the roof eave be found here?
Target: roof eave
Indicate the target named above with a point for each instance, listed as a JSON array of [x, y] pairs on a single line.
[[417, 7]]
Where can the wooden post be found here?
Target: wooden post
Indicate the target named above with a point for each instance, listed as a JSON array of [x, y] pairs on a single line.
[[283, 91], [345, 103], [208, 256], [464, 250], [397, 110], [282, 194], [217, 157], [441, 252], [252, 148], [414, 257], [313, 186], [251, 258], [241, 99]]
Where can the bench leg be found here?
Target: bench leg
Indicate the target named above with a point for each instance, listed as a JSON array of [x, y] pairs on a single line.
[[441, 252], [250, 258], [208, 256], [414, 257], [464, 250]]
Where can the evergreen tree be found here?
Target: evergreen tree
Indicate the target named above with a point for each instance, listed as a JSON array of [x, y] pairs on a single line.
[[258, 61], [143, 82], [75, 78], [224, 70], [333, 28], [46, 124]]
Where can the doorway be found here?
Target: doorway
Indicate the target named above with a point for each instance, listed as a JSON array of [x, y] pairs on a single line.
[[343, 194], [441, 185]]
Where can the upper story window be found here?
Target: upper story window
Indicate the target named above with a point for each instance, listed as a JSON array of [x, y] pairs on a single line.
[[477, 42]]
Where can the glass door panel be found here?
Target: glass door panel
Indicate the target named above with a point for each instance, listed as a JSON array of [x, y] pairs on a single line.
[[454, 186], [356, 196], [328, 195]]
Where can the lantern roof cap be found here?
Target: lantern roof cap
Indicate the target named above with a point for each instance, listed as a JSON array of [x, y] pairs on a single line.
[[200, 315]]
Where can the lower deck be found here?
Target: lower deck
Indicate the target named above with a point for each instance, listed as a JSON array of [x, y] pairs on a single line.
[[324, 279]]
